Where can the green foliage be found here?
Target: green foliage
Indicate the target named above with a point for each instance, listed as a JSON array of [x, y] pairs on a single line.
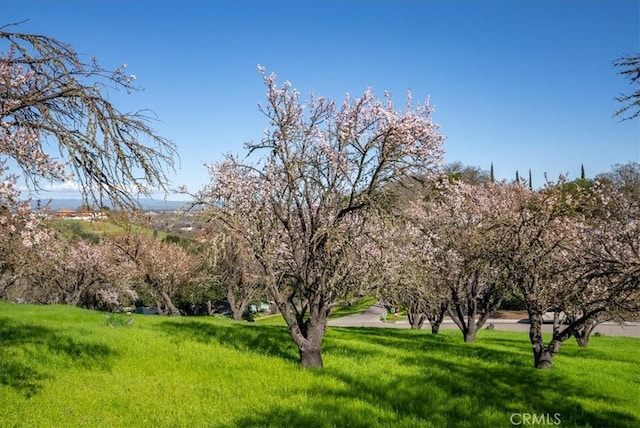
[[352, 307], [59, 366], [513, 303], [172, 239], [94, 230], [118, 320]]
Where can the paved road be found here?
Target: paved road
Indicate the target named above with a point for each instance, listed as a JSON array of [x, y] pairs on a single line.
[[372, 318]]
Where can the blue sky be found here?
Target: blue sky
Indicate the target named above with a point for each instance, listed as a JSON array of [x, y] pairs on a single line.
[[522, 84]]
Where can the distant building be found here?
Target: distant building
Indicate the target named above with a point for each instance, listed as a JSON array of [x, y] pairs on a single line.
[[66, 214]]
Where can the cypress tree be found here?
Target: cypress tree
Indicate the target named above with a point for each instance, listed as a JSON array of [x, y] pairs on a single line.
[[492, 177], [517, 176], [582, 174], [530, 180]]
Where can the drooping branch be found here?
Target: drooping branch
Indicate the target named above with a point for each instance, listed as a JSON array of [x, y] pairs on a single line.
[[59, 102]]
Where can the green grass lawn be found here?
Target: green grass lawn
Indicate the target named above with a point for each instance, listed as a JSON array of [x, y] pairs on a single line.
[[65, 367]]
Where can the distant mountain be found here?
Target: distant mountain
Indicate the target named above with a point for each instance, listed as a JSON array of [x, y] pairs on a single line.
[[146, 204]]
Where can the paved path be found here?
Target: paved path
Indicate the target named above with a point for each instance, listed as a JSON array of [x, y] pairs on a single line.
[[371, 317]]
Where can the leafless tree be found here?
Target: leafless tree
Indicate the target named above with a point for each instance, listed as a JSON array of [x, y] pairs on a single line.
[[630, 65]]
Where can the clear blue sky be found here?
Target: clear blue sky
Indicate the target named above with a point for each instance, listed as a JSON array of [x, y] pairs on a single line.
[[522, 84]]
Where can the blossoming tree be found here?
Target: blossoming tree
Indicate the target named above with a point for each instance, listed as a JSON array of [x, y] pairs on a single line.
[[301, 207], [231, 267], [555, 257], [78, 272], [161, 268]]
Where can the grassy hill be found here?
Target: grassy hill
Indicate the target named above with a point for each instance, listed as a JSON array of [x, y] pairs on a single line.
[[66, 367], [97, 228]]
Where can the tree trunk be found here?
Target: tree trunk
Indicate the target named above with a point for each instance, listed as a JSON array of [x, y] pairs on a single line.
[[582, 339], [238, 304], [310, 356], [309, 337], [167, 300], [436, 317], [542, 355], [435, 327], [583, 334], [466, 322], [416, 320], [236, 310], [470, 332], [307, 334]]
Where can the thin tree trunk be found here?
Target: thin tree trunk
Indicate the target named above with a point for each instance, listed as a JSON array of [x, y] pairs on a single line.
[[159, 307], [238, 304], [239, 295], [167, 300], [436, 317]]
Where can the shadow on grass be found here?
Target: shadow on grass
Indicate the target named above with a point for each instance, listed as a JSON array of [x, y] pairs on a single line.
[[26, 349], [271, 340], [450, 384], [431, 380], [459, 381]]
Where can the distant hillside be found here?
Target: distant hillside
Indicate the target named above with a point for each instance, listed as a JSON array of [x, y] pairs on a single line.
[[146, 204]]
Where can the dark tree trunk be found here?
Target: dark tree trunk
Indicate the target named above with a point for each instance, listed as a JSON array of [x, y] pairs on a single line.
[[582, 339], [542, 355], [436, 317], [306, 333], [309, 342], [75, 297], [467, 325], [435, 328], [583, 334]]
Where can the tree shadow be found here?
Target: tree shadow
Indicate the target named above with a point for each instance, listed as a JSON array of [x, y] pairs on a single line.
[[22, 343], [470, 385], [267, 340]]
